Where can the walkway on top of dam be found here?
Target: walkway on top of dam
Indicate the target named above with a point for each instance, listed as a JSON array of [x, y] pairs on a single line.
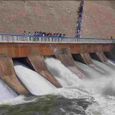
[[12, 38]]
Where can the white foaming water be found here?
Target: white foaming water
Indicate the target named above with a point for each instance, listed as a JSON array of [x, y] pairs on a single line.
[[8, 96], [111, 62], [21, 99], [5, 92], [61, 73], [72, 85], [97, 68], [34, 82], [68, 79], [97, 85], [98, 82], [105, 67], [101, 87], [88, 70]]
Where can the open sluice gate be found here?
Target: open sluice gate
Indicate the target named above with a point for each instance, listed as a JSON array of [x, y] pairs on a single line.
[[101, 57], [64, 55], [87, 59], [39, 66], [8, 75]]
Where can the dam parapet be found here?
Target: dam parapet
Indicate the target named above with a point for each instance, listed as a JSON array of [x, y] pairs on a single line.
[[44, 39], [22, 45]]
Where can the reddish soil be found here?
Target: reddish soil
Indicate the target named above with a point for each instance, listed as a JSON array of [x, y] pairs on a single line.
[[58, 16], [99, 19], [48, 16]]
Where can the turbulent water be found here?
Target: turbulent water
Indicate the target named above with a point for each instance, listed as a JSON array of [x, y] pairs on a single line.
[[5, 92], [34, 82], [99, 85], [96, 92]]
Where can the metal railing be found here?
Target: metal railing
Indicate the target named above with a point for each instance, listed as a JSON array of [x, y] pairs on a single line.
[[12, 38]]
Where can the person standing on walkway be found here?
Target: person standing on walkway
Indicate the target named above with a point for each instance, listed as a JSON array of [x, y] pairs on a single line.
[[29, 36], [24, 36]]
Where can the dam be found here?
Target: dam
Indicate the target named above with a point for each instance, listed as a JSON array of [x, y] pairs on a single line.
[[33, 53], [57, 75], [55, 66]]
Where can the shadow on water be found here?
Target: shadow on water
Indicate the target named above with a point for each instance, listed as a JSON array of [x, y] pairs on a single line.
[[23, 61]]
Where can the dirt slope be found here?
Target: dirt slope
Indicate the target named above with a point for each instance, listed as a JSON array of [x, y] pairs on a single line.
[[49, 16], [99, 19], [58, 16]]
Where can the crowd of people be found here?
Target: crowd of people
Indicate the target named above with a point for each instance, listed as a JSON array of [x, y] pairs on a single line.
[[36, 36], [44, 34]]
